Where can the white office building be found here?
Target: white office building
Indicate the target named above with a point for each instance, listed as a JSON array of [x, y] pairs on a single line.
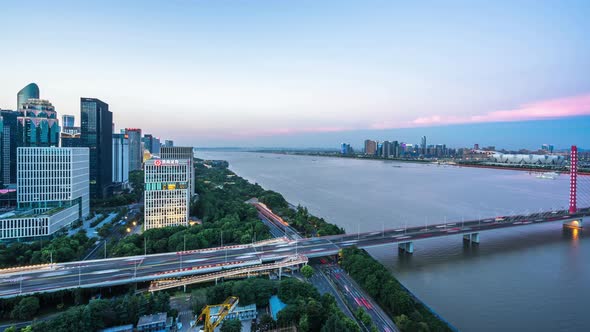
[[167, 194], [120, 158], [52, 191], [181, 152]]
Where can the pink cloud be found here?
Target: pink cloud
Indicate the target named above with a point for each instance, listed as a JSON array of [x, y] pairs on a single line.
[[548, 109], [287, 131]]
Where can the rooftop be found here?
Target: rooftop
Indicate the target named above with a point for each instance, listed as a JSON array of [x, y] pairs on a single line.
[[152, 319]]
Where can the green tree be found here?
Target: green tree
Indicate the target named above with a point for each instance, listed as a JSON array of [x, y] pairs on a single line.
[[11, 329], [231, 325], [307, 271], [25, 309]]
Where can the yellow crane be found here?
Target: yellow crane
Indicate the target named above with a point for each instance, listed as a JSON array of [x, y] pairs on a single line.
[[225, 308]]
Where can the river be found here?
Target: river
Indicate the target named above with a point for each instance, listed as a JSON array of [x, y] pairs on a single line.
[[530, 278]]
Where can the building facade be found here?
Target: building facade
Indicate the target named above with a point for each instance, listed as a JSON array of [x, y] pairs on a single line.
[[120, 158], [52, 192], [8, 144], [38, 124], [135, 149], [31, 91], [67, 121], [185, 153], [370, 147], [97, 135], [167, 193]]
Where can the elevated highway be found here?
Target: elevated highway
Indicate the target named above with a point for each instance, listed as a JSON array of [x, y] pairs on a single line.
[[117, 271]]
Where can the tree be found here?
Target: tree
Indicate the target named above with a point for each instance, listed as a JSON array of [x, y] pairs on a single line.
[[307, 271], [266, 323], [25, 309], [231, 325], [11, 329]]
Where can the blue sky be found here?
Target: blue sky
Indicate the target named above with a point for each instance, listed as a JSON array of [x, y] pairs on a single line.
[[307, 73]]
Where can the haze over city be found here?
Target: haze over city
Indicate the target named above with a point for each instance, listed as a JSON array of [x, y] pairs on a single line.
[[309, 73]]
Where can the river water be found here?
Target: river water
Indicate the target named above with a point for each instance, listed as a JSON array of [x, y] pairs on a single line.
[[530, 278]]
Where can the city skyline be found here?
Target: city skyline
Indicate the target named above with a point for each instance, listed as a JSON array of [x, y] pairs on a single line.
[[262, 74]]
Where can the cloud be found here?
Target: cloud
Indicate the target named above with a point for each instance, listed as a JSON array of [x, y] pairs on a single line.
[[548, 109]]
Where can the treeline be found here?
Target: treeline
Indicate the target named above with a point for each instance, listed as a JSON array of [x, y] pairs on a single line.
[[216, 183], [305, 309], [61, 249], [409, 314]]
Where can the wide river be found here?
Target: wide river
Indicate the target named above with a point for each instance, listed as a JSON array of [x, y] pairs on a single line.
[[530, 278]]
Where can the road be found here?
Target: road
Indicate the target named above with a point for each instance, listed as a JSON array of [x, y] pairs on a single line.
[[357, 298], [113, 271], [320, 281]]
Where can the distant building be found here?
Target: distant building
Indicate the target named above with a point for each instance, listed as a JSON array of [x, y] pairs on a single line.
[[370, 147], [135, 149], [31, 91], [70, 140], [475, 146], [38, 124], [52, 192], [527, 159], [395, 149], [181, 153], [423, 145], [346, 149], [97, 135], [152, 144], [167, 195], [67, 121], [548, 148], [385, 149], [120, 158], [168, 143]]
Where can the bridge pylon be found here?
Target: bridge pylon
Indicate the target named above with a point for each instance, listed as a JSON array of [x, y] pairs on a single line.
[[573, 179]]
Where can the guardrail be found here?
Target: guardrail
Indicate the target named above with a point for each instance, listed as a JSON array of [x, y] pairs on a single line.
[[168, 283]]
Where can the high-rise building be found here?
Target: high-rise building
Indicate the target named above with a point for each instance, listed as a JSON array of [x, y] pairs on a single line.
[[370, 147], [166, 194], [386, 149], [52, 192], [181, 153], [8, 144], [423, 145], [147, 142], [168, 143], [395, 149], [120, 158], [38, 124], [135, 149], [31, 91], [97, 135], [67, 121], [155, 146]]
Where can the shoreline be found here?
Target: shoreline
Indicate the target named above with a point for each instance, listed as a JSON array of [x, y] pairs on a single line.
[[427, 161]]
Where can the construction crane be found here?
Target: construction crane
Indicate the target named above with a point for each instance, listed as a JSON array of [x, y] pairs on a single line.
[[224, 309]]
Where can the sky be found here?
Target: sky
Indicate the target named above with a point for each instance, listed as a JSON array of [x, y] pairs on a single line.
[[310, 73]]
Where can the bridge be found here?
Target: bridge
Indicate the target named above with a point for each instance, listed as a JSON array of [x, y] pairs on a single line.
[[214, 263]]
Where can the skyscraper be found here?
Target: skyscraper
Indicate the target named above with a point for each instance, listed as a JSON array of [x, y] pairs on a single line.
[[8, 144], [169, 143], [386, 149], [38, 124], [120, 158], [370, 147], [135, 149], [97, 135], [26, 93], [423, 145], [67, 121]]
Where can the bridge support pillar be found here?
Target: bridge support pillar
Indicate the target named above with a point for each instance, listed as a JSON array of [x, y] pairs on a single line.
[[573, 224], [407, 247], [216, 281], [471, 238], [280, 272]]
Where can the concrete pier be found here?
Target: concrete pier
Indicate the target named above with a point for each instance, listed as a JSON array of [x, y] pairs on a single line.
[[407, 247], [471, 238]]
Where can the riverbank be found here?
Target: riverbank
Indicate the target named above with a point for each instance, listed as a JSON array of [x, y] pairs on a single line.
[[449, 162]]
